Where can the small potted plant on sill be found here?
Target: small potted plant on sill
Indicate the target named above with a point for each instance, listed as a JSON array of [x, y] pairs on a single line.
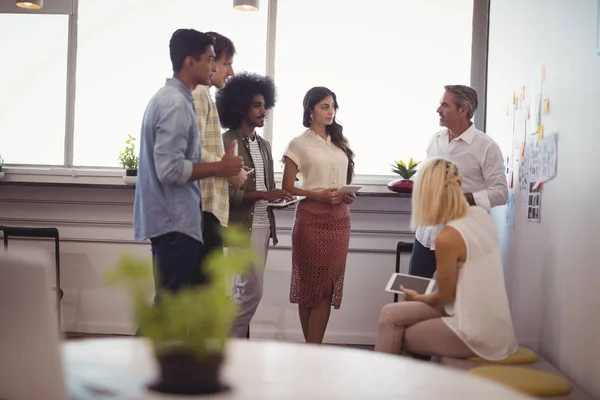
[[189, 329], [129, 160], [406, 171], [1, 164]]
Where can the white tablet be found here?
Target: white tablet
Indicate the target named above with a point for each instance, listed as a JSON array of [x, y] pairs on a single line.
[[416, 283], [350, 188], [284, 203]]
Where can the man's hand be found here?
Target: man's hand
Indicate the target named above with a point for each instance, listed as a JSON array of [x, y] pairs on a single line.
[[231, 165], [470, 199], [277, 194], [238, 180]]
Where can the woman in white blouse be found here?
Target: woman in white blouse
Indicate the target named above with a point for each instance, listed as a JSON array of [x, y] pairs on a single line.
[[468, 315], [321, 232]]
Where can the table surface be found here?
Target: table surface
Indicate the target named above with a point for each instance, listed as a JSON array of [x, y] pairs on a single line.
[[281, 370]]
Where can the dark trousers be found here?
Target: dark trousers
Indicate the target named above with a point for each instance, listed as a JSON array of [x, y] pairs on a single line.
[[422, 261], [177, 260], [212, 232]]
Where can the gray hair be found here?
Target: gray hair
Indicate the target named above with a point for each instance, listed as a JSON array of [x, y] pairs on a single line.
[[464, 95]]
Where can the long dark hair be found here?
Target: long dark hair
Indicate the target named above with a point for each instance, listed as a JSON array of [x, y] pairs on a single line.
[[335, 130]]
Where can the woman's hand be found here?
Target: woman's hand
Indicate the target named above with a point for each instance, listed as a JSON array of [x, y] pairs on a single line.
[[349, 198], [330, 196], [409, 294]]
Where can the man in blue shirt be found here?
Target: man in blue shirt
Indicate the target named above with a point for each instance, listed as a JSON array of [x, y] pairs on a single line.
[[167, 207]]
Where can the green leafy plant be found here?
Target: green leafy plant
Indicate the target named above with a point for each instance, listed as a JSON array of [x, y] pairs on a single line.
[[1, 160], [197, 320], [127, 157], [405, 170]]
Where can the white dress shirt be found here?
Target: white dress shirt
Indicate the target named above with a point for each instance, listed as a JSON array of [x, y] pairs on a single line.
[[480, 163], [321, 163]]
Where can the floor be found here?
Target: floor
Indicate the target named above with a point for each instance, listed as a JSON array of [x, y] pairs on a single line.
[[77, 335]]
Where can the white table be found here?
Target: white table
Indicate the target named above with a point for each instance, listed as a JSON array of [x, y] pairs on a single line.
[[280, 370]]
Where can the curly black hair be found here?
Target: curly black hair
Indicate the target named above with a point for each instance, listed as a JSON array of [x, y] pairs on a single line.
[[235, 99]]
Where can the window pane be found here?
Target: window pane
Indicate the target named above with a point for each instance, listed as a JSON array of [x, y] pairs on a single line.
[[33, 88], [123, 59], [387, 63]]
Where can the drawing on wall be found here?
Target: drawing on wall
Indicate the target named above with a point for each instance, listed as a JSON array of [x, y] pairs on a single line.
[[534, 199], [510, 209]]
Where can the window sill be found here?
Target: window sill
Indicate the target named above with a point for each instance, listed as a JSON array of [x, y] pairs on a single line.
[[112, 178]]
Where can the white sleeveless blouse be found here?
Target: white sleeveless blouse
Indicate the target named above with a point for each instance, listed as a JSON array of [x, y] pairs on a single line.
[[480, 314]]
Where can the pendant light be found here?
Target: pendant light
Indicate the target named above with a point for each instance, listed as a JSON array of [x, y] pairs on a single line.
[[30, 4], [246, 5]]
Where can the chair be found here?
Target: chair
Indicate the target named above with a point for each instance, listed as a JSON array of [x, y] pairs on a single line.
[[402, 247], [51, 233]]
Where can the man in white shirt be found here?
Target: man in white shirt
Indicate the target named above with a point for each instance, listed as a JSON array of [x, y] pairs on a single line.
[[479, 161]]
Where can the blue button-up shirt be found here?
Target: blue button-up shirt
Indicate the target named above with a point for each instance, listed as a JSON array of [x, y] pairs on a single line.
[[165, 200]]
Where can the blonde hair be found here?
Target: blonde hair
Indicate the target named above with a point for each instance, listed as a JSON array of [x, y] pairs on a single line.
[[437, 197]]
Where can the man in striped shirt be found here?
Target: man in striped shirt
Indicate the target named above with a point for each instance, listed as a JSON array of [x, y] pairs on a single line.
[[214, 191], [243, 104]]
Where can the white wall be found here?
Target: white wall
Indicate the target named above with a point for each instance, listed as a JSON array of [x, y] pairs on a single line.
[[553, 267], [95, 227]]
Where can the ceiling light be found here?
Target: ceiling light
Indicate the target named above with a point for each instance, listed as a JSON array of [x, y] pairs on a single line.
[[31, 4], [246, 5]]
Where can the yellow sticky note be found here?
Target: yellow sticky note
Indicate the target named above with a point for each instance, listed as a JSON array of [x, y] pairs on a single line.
[[514, 98], [540, 132], [546, 106]]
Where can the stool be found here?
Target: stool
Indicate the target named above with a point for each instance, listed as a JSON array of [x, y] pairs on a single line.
[[51, 233], [402, 247], [528, 381]]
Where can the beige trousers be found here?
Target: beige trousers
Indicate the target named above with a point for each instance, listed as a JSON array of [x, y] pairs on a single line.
[[416, 327]]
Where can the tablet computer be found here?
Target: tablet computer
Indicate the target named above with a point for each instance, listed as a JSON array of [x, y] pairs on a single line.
[[350, 188], [284, 202], [416, 283]]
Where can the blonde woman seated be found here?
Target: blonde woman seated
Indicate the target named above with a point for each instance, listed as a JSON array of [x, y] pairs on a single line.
[[468, 315]]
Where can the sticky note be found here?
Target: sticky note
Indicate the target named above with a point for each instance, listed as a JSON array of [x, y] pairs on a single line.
[[546, 106], [540, 132], [527, 112], [523, 93], [543, 73], [513, 98]]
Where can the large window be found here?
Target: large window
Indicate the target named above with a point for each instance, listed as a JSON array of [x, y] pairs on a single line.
[[387, 61], [123, 59], [33, 82]]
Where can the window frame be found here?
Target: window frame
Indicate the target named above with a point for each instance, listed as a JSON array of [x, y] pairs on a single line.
[[67, 173]]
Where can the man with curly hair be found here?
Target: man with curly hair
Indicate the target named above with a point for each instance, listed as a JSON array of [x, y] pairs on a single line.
[[214, 190], [243, 104]]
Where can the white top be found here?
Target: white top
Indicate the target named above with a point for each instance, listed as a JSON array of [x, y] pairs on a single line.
[[480, 163], [260, 219], [480, 314], [270, 370], [322, 164]]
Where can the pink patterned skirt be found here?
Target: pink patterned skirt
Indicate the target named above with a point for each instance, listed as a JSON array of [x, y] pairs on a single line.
[[320, 240]]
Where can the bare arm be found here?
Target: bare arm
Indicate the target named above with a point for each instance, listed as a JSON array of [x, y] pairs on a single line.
[[450, 249]]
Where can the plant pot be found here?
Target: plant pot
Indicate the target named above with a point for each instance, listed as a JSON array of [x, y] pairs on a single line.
[[131, 172], [401, 186], [183, 373]]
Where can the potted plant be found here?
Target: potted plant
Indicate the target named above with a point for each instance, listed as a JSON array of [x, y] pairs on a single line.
[[406, 171], [128, 159], [1, 162], [189, 329]]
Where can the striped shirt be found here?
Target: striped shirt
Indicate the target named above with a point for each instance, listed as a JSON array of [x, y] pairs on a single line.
[[260, 218], [214, 190]]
